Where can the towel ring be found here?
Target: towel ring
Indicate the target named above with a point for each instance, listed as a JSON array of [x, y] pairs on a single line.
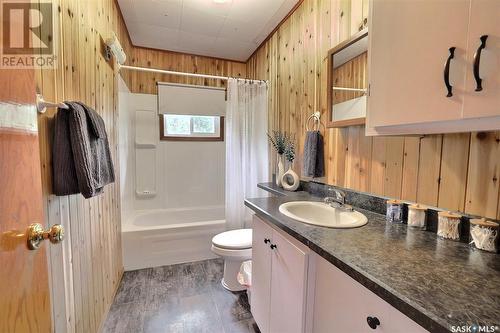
[[316, 121]]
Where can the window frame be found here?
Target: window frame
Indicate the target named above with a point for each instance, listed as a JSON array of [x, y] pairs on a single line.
[[192, 137]]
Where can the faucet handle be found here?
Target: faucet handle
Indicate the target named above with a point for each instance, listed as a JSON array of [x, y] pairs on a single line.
[[329, 200], [337, 194]]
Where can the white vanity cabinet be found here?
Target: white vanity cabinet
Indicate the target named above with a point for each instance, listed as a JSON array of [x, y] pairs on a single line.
[[410, 43], [341, 304], [296, 290], [279, 280]]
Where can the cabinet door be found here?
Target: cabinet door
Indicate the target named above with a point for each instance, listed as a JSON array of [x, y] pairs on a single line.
[[341, 304], [484, 20], [288, 286], [261, 274], [409, 43]]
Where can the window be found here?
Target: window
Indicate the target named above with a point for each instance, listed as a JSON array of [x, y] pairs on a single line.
[[191, 128]]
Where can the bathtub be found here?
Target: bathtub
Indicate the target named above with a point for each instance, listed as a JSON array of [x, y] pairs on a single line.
[[169, 236]]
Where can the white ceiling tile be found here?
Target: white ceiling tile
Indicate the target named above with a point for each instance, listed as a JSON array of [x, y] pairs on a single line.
[[242, 31], [197, 22], [195, 42], [231, 30], [209, 7], [164, 13], [234, 48], [254, 11], [154, 36]]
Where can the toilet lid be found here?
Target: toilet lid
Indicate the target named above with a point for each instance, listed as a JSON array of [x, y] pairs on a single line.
[[234, 239]]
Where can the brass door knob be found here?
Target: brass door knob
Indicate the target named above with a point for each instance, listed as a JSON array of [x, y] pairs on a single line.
[[35, 235]]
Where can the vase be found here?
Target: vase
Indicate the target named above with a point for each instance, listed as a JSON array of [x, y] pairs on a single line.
[[280, 171], [290, 180]]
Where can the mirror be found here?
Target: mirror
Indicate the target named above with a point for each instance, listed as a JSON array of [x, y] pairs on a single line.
[[347, 81]]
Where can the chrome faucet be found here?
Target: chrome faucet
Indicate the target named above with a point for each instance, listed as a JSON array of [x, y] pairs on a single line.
[[337, 200]]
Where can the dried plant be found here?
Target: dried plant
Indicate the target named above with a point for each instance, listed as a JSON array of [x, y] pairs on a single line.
[[290, 148], [278, 141]]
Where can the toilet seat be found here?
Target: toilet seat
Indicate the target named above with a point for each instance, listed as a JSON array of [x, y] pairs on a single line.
[[240, 239]]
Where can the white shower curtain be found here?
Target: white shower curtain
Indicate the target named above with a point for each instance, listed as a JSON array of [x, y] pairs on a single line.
[[246, 148]]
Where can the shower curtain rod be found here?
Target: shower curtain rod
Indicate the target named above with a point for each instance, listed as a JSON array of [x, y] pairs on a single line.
[[145, 69]]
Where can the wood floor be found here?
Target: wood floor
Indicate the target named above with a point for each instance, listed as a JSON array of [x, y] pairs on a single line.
[[179, 298]]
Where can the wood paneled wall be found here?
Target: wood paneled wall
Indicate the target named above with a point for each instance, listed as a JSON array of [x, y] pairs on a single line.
[[92, 247], [144, 82], [452, 171]]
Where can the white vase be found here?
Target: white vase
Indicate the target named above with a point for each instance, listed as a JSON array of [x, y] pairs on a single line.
[[290, 180], [280, 172]]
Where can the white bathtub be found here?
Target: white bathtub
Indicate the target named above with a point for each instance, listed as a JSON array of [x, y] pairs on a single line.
[[170, 236]]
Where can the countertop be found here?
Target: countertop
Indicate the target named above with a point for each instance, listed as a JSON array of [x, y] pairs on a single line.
[[437, 283]]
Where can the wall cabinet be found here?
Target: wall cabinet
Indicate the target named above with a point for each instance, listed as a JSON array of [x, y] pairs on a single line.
[[341, 304], [279, 280], [410, 44]]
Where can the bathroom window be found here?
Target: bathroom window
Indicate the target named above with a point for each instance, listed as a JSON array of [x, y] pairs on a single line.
[[191, 128]]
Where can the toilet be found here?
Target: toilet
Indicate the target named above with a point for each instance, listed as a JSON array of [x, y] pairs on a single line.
[[234, 246]]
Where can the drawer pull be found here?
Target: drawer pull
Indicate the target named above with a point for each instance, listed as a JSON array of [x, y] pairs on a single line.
[[273, 246], [266, 240], [477, 63], [449, 87], [373, 322]]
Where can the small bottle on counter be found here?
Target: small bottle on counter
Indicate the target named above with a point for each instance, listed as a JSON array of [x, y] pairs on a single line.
[[394, 213], [484, 234], [416, 216], [449, 225]]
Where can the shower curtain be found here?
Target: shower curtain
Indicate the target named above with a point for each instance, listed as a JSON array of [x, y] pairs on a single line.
[[246, 147]]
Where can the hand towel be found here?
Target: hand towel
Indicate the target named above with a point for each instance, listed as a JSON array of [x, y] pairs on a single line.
[[313, 155], [89, 159]]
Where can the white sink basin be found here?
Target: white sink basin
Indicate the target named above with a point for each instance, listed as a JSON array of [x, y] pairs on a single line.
[[321, 214]]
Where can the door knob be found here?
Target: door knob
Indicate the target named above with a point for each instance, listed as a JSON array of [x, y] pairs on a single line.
[[35, 235]]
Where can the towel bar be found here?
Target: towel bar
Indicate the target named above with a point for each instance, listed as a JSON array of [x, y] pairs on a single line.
[[42, 105]]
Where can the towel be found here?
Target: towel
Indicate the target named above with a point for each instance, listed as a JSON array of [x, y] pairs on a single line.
[[314, 155], [89, 159]]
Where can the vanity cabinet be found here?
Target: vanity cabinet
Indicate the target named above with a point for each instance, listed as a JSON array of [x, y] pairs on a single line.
[[341, 304], [424, 65], [279, 280]]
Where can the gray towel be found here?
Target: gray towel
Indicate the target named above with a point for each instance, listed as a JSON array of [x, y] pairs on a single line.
[[314, 155], [89, 157]]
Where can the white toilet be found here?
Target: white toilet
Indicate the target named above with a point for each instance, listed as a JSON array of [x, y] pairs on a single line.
[[234, 246]]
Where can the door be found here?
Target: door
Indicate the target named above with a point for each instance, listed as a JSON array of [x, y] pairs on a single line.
[[409, 44], [261, 273], [484, 21], [24, 285], [288, 286], [341, 304]]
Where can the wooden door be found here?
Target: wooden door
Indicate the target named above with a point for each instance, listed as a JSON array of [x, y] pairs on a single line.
[[288, 286], [409, 44], [261, 273], [24, 285], [484, 20]]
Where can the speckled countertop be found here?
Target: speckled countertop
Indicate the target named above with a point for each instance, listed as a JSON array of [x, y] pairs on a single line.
[[437, 283]]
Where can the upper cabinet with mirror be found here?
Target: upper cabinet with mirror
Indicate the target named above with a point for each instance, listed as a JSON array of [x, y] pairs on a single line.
[[347, 81]]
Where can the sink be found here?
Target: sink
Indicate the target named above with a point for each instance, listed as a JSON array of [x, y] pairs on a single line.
[[321, 214]]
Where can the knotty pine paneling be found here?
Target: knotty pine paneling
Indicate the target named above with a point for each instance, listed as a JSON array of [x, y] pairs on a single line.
[[144, 82], [452, 171], [93, 226]]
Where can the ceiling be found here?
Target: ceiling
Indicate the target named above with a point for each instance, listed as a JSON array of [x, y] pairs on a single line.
[[229, 29]]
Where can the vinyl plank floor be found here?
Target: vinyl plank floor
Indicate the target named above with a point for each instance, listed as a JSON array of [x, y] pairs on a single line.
[[181, 298]]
